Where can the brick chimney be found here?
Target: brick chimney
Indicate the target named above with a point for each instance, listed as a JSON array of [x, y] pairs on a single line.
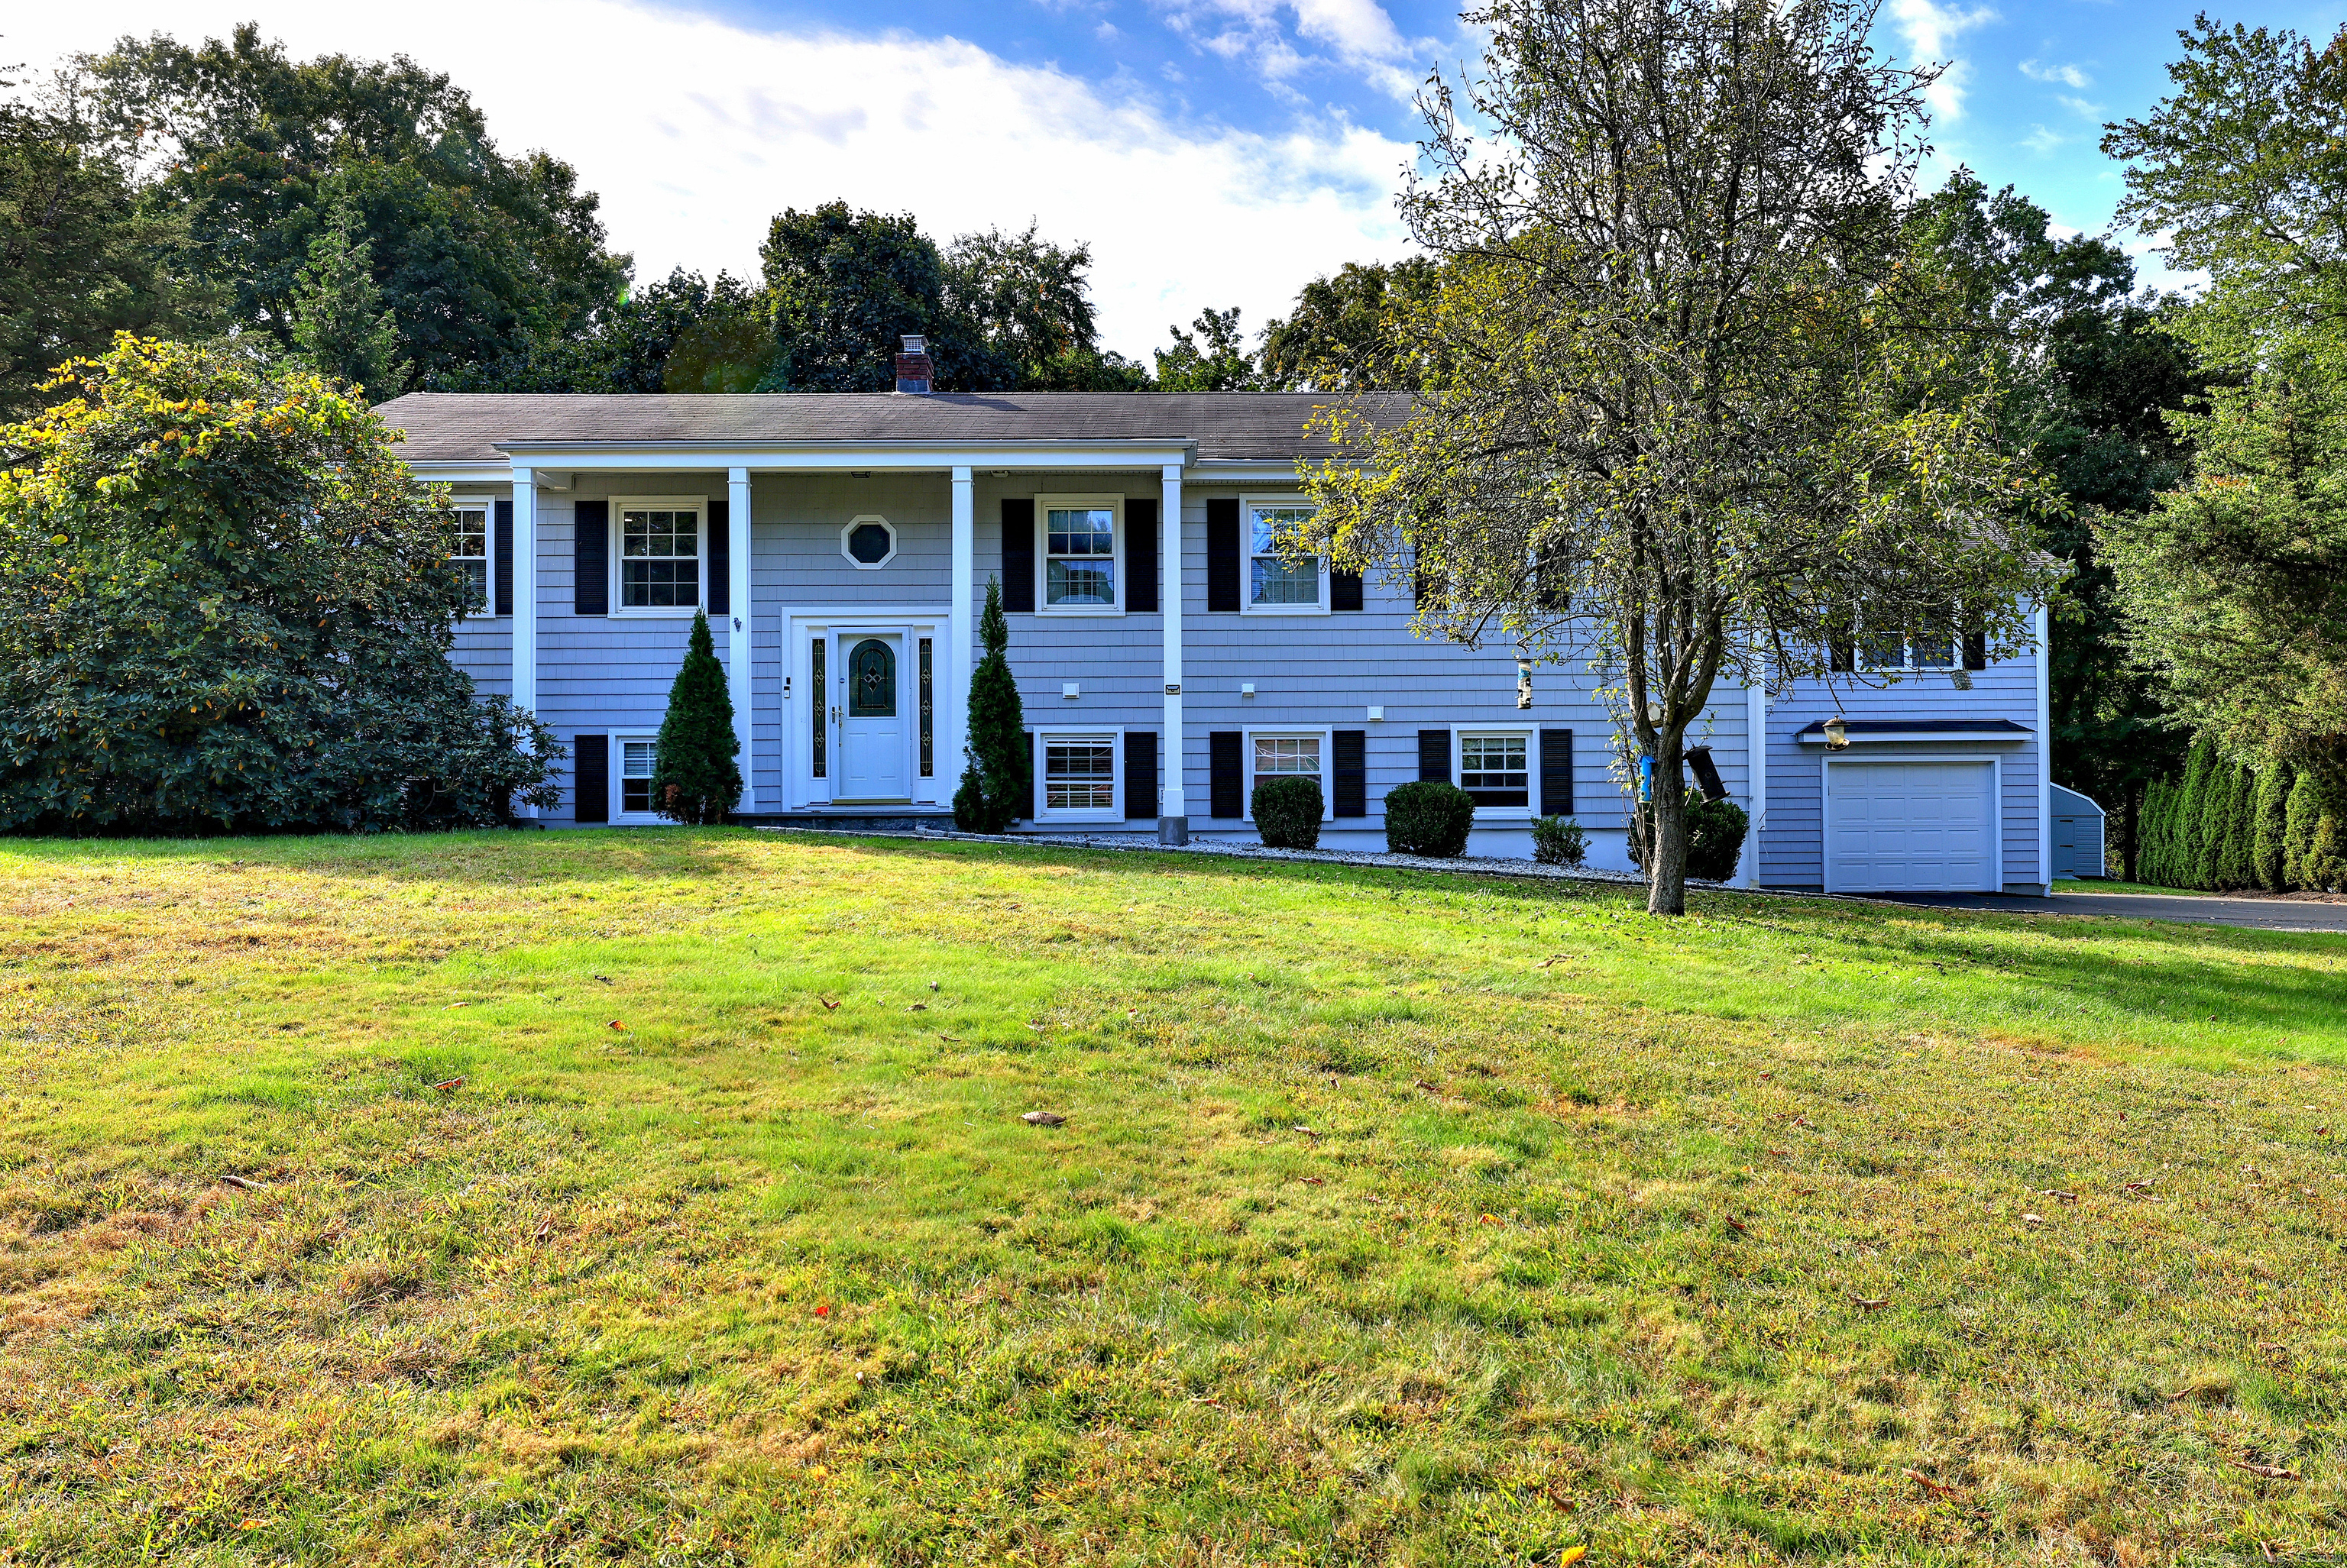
[[914, 367]]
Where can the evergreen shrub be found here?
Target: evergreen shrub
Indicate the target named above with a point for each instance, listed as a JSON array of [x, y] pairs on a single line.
[[1715, 834], [695, 779], [2236, 858], [2267, 839], [998, 770], [1560, 841], [1429, 817], [1287, 812]]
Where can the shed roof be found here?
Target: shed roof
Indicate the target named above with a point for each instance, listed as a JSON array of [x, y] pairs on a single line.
[[467, 427]]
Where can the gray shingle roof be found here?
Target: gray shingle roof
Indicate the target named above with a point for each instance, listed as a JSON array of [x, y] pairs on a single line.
[[464, 427]]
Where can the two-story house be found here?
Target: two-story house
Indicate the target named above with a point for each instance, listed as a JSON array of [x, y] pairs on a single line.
[[1168, 654]]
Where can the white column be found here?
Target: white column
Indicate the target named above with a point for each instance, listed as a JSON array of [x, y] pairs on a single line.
[[1172, 813], [1755, 767], [737, 648], [525, 598], [2041, 626], [952, 675]]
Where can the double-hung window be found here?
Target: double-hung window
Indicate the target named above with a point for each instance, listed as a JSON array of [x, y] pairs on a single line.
[[1081, 552], [660, 553], [472, 552], [636, 776], [1290, 755], [1079, 774], [1931, 644], [1280, 578], [1495, 767]]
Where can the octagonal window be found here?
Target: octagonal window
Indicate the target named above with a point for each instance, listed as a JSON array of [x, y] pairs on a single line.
[[868, 541]]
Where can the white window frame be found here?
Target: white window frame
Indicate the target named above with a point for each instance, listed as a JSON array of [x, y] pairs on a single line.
[[488, 506], [1043, 505], [1327, 738], [851, 526], [1247, 559], [620, 815], [1909, 664], [620, 504], [1044, 812], [1531, 736]]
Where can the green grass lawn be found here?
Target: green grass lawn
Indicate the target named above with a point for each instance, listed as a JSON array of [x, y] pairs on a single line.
[[1395, 1218]]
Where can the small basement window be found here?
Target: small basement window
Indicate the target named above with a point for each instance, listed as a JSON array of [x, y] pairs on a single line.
[[1286, 756], [1080, 774], [636, 776]]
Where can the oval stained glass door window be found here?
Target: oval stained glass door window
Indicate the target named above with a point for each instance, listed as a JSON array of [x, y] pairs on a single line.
[[872, 680]]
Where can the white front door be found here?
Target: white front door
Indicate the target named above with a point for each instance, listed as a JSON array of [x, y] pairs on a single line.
[[871, 705], [1914, 826]]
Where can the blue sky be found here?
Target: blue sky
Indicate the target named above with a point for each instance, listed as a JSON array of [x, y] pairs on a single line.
[[1215, 152]]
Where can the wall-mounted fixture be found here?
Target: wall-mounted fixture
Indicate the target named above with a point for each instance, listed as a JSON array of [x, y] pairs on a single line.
[[1002, 474], [859, 473], [1070, 689], [1377, 713], [1246, 689]]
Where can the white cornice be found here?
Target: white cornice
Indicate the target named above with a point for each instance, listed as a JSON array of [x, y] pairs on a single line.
[[804, 457]]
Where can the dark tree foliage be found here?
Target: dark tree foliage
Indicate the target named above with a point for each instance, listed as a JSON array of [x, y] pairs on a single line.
[[2092, 375], [80, 259], [225, 606], [1027, 304], [2270, 847], [998, 773], [695, 779], [1209, 357], [476, 254], [684, 334], [1356, 332]]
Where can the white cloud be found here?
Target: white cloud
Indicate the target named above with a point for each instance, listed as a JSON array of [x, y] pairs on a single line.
[[1357, 35], [2041, 141], [695, 131], [1931, 28], [2080, 107], [2067, 76]]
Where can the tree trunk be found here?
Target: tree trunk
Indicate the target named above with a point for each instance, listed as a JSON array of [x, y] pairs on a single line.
[[1666, 867]]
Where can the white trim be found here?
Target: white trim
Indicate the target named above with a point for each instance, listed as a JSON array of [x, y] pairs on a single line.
[[1076, 502], [1936, 737], [954, 657], [617, 785], [427, 471], [798, 627], [1327, 738], [488, 506], [1248, 558], [522, 651], [2039, 628], [821, 456], [618, 505], [851, 525], [1756, 773], [1044, 735], [1531, 736], [1995, 765], [1171, 802], [740, 631]]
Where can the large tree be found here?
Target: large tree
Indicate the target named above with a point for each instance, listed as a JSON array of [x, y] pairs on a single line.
[[226, 605], [476, 254], [1355, 330], [1697, 419], [2235, 584]]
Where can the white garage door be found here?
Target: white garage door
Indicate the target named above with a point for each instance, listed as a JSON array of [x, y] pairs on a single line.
[[1910, 827]]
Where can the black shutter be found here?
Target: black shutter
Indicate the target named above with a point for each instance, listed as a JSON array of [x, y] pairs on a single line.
[[1344, 590], [721, 558], [1434, 754], [1034, 775], [1349, 773], [1140, 774], [1556, 772], [1222, 559], [1975, 650], [591, 797], [504, 549], [590, 541], [1141, 557], [1019, 553], [1845, 657], [1225, 773]]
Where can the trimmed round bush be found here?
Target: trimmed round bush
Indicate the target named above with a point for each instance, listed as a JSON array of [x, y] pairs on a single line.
[[1287, 812], [1429, 817], [1559, 842], [1715, 834]]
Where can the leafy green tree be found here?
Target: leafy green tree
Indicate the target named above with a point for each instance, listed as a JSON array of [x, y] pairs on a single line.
[[226, 605], [80, 259], [1214, 359], [843, 287], [1699, 414], [695, 779], [2270, 846], [683, 334], [336, 322], [997, 770], [2235, 584], [1360, 331], [475, 255], [1027, 303]]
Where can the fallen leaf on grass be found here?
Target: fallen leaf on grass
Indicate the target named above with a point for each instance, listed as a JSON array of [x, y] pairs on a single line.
[[247, 1182], [447, 1084], [454, 1004], [619, 1026], [1307, 1132], [2033, 1219], [1491, 1219], [1571, 1555], [605, 979], [1936, 1488], [1736, 1225], [1044, 1119], [933, 985], [950, 1039], [829, 1004], [1870, 1303], [2270, 1472], [1430, 1088], [2057, 1192], [1313, 1181], [918, 1007], [1778, 1155], [2138, 1186]]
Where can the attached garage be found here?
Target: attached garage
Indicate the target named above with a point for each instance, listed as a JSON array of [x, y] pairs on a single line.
[[1911, 824]]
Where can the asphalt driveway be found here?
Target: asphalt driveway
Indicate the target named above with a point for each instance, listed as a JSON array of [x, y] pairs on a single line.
[[2202, 909]]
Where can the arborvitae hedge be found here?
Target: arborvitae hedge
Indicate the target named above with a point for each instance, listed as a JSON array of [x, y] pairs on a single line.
[[2273, 826], [2237, 851], [2323, 865], [2152, 858], [2191, 868]]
